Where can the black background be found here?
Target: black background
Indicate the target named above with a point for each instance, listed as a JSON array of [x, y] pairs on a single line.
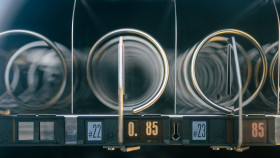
[[61, 14], [146, 151]]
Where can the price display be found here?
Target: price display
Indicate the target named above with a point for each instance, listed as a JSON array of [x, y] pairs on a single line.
[[254, 131], [144, 130]]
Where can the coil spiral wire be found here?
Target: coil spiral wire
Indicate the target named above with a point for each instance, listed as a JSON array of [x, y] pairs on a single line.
[[50, 70], [269, 93], [4, 97], [202, 82], [210, 72], [146, 69], [273, 71], [40, 86], [46, 53], [224, 106]]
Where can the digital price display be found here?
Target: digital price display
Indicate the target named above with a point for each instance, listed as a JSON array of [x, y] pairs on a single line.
[[255, 131], [144, 130]]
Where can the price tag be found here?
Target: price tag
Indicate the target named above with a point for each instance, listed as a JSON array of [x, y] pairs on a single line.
[[254, 131], [94, 131], [199, 130], [144, 130]]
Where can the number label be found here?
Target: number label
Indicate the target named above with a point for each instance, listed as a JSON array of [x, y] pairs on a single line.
[[94, 131], [254, 131], [199, 130]]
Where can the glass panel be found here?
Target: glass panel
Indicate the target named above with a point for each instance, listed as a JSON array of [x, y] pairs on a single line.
[[206, 74], [35, 75], [147, 28]]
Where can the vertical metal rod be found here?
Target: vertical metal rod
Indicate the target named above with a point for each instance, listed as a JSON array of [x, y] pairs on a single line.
[[278, 75], [120, 88], [72, 56], [228, 88], [240, 119], [123, 68], [175, 60]]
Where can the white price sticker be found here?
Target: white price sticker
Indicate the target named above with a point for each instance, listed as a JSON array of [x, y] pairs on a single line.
[[94, 131], [199, 130]]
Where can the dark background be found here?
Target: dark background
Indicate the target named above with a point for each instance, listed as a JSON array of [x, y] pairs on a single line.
[[53, 19], [146, 151]]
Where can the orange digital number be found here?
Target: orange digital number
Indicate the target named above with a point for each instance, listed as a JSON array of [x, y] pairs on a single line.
[[151, 128], [131, 129], [258, 129]]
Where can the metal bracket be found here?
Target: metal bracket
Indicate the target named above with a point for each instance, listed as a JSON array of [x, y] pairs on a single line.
[[121, 87], [6, 112], [123, 149], [228, 86], [110, 148], [230, 148], [129, 149], [239, 147]]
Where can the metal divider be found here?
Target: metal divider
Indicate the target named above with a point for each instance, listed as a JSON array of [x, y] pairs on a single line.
[[240, 118], [278, 75], [121, 87]]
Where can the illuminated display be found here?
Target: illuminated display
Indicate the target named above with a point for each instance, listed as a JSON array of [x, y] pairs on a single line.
[[199, 130], [94, 131], [254, 131], [144, 130]]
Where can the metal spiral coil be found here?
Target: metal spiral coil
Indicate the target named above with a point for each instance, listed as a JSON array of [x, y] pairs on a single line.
[[268, 94], [202, 80], [45, 55], [146, 69], [210, 74]]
